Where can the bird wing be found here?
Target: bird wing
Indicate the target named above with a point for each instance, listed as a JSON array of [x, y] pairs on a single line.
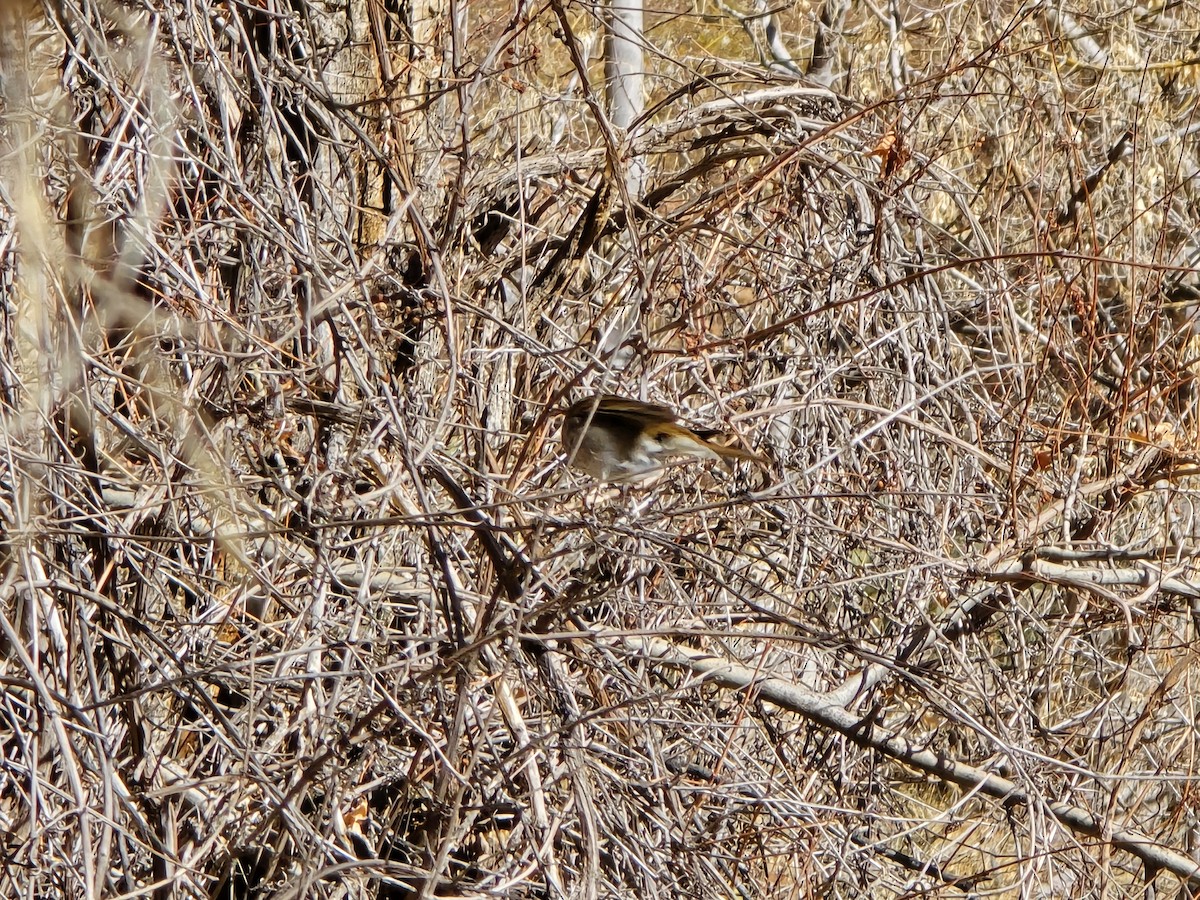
[[612, 406], [648, 413]]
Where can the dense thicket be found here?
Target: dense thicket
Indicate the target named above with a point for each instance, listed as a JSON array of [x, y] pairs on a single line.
[[298, 600]]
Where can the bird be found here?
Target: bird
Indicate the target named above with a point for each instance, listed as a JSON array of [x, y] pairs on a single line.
[[615, 438]]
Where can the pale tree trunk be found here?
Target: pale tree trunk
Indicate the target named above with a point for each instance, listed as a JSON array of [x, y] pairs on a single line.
[[624, 67]]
